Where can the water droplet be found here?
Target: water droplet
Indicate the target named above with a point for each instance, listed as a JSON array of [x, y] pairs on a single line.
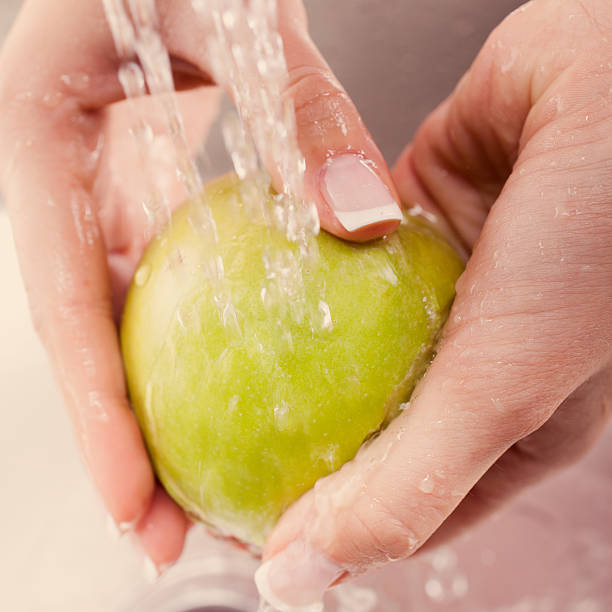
[[427, 484], [459, 586], [232, 404], [444, 559], [434, 589], [352, 598], [142, 275], [326, 322], [52, 99], [497, 403], [179, 318], [77, 81], [281, 415]]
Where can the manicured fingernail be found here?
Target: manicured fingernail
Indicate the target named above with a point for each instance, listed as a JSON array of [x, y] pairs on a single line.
[[356, 193], [296, 579], [112, 528], [151, 571]]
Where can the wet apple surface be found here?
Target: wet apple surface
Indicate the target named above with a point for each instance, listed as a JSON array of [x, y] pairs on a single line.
[[241, 420]]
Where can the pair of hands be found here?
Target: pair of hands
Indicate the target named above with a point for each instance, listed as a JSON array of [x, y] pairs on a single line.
[[517, 163]]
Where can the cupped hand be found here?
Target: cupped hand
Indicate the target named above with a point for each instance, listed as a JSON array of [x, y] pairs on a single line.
[[518, 163], [74, 180]]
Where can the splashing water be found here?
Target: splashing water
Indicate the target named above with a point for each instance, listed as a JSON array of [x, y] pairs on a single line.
[[246, 57], [136, 34]]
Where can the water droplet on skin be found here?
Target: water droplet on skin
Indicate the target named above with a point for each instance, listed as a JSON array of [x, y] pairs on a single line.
[[78, 81], [24, 96], [416, 210], [52, 99], [142, 275], [434, 589], [444, 559], [510, 61], [497, 403], [427, 484], [412, 542], [352, 598], [385, 455], [229, 19], [96, 408], [459, 586], [488, 557], [145, 135]]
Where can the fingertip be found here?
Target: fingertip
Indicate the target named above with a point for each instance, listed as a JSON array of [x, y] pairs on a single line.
[[355, 202], [162, 530], [289, 526], [365, 233], [120, 468]]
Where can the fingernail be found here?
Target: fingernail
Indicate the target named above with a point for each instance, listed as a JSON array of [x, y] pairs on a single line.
[[151, 571], [356, 193], [112, 528], [296, 579]]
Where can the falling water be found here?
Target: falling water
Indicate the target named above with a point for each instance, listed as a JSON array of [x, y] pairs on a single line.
[[245, 56]]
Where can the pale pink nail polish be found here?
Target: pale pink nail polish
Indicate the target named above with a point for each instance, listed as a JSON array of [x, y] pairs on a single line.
[[296, 579], [356, 194]]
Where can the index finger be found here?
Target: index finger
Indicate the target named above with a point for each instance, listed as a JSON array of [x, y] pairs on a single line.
[[48, 152]]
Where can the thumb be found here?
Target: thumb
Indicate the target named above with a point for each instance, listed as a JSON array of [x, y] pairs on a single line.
[[346, 175]]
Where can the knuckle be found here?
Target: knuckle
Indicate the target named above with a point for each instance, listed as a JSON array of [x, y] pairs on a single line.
[[379, 532], [489, 377], [319, 100]]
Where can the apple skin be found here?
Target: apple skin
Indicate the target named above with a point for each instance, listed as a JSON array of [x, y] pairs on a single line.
[[239, 425]]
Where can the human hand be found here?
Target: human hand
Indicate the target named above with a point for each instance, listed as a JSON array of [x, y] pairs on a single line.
[[72, 176], [518, 162]]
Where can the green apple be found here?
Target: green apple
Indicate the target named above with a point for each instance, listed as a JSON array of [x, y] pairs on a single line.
[[239, 424]]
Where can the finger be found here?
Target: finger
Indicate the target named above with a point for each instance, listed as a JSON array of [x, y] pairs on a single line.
[[464, 152], [162, 531], [63, 264], [346, 175], [531, 323], [48, 153], [565, 438]]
